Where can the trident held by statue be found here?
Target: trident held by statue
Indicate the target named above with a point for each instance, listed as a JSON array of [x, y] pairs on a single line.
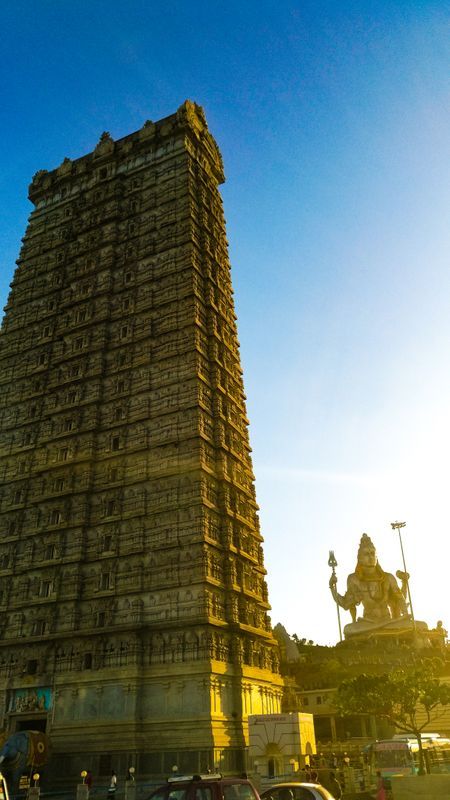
[[404, 576], [333, 580]]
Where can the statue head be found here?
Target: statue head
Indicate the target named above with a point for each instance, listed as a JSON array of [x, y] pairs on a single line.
[[367, 555]]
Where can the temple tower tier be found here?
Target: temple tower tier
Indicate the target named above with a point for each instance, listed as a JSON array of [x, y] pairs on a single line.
[[134, 612]]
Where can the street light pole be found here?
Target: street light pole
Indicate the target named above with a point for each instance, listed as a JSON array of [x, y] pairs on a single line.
[[398, 526]]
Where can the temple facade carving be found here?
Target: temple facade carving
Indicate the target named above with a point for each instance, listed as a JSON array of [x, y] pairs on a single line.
[[132, 586]]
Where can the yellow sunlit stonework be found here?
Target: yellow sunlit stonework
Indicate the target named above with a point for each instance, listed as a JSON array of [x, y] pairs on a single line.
[[134, 615]]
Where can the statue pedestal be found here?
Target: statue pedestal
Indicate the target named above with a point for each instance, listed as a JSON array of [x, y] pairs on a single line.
[[401, 628]]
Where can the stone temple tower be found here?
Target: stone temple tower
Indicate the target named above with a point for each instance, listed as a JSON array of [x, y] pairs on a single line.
[[133, 605]]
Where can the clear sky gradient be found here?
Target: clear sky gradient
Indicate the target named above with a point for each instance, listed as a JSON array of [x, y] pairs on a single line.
[[333, 123]]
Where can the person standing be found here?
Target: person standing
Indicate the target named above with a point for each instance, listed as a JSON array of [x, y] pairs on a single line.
[[112, 786], [381, 791]]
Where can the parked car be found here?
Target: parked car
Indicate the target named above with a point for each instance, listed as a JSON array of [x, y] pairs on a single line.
[[296, 791], [205, 787]]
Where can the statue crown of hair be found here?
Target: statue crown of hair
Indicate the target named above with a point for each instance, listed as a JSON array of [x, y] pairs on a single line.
[[365, 543]]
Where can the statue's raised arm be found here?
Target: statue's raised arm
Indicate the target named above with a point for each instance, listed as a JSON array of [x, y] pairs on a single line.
[[347, 600]]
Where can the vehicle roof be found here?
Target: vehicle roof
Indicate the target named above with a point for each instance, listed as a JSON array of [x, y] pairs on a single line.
[[208, 779], [291, 783], [188, 780]]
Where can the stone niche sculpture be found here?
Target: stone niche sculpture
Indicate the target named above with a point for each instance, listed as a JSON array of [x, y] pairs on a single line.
[[384, 603]]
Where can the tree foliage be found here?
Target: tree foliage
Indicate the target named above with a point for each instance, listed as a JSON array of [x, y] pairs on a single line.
[[408, 699]]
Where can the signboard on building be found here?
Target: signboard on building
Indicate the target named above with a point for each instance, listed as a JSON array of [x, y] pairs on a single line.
[[39, 699]]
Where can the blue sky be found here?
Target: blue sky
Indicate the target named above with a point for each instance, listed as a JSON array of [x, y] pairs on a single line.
[[333, 123]]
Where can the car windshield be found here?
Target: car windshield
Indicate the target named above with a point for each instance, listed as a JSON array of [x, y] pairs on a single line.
[[288, 793], [324, 793], [177, 794], [296, 792], [238, 791], [392, 758], [172, 793]]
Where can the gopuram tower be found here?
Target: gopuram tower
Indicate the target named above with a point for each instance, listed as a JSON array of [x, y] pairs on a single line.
[[133, 605]]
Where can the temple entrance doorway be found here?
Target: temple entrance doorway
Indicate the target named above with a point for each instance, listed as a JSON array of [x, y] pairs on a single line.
[[274, 760], [29, 724]]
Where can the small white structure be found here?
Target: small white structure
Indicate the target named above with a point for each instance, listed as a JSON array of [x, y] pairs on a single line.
[[280, 744]]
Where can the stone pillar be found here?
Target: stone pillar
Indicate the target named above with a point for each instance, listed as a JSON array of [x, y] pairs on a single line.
[[333, 729], [349, 779], [130, 790], [82, 791], [363, 727]]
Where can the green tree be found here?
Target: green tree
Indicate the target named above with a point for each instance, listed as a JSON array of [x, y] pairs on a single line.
[[409, 699]]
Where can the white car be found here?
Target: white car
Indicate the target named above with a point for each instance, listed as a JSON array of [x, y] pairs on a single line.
[[296, 791]]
